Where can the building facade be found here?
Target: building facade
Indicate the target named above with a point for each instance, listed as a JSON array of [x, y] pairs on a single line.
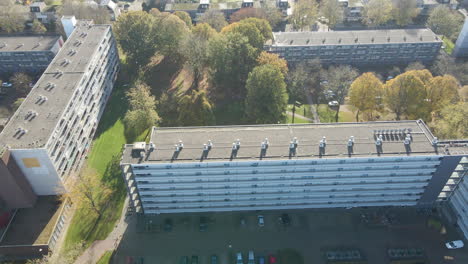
[[49, 135], [235, 168], [461, 45], [28, 53], [363, 47]]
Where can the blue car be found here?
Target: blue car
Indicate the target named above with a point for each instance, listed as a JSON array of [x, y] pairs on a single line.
[[261, 260]]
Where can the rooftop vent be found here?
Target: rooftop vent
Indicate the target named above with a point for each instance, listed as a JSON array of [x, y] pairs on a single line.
[[388, 39], [350, 145], [404, 38], [37, 45], [50, 85], [77, 43], [323, 41], [179, 146], [3, 45], [372, 39], [291, 42], [151, 146], [139, 150], [20, 45], [20, 132], [235, 149], [58, 74], [356, 40], [30, 115], [435, 141], [265, 144], [65, 62], [72, 52], [206, 149], [307, 42], [293, 147], [322, 146], [379, 144], [339, 40], [41, 99]]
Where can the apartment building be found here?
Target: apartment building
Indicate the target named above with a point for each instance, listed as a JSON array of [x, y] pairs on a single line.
[[49, 135], [265, 167], [362, 47], [461, 46], [27, 53]]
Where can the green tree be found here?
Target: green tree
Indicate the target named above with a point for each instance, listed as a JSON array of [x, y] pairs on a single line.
[[135, 34], [377, 12], [194, 50], [366, 94], [203, 31], [21, 82], [304, 80], [332, 10], [168, 109], [231, 58], [444, 21], [405, 95], [142, 113], [463, 93], [266, 100], [304, 14], [261, 24], [248, 30], [184, 16], [452, 123], [170, 30], [38, 27], [11, 20], [195, 110], [214, 18], [339, 80], [404, 11]]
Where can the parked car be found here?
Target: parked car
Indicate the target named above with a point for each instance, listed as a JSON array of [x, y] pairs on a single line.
[[203, 224], [333, 103], [272, 259], [239, 258], [184, 260], [194, 260], [168, 225], [261, 221], [214, 259], [7, 84], [251, 257], [261, 260], [454, 244]]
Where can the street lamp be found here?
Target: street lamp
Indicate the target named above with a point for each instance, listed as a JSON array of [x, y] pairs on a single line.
[[296, 104]]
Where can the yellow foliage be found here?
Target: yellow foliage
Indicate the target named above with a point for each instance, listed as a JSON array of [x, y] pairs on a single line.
[[366, 93]]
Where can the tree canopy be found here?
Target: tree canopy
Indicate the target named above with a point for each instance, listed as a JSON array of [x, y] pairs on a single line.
[[366, 94], [273, 59], [452, 123], [332, 10], [404, 11], [195, 110], [142, 113], [267, 98], [38, 27], [21, 83], [184, 16], [443, 21], [377, 12], [339, 80], [442, 91], [304, 14], [214, 18]]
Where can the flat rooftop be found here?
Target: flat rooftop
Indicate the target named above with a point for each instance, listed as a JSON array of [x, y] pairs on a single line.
[[279, 138], [57, 84], [354, 37], [33, 226], [25, 43]]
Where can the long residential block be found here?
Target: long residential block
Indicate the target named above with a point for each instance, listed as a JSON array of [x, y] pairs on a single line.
[[361, 47], [27, 53], [265, 167], [49, 135]]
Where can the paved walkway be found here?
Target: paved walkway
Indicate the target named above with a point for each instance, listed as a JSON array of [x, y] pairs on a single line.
[[312, 109], [92, 254]]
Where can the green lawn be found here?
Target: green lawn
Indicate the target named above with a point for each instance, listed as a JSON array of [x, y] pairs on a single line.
[[104, 157], [105, 259], [303, 110], [448, 44], [327, 115], [297, 120]]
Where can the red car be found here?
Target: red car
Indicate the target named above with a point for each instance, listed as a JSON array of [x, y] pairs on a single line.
[[272, 259]]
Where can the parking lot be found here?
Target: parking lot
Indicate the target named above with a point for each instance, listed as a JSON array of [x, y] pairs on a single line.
[[166, 239]]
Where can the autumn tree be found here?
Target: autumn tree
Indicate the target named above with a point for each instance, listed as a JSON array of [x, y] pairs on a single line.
[[266, 100], [444, 21], [273, 15], [303, 80], [404, 11], [38, 27], [339, 80], [11, 19], [184, 16], [273, 59], [415, 66], [366, 94], [463, 93], [135, 34], [89, 192], [247, 30], [142, 113], [195, 110], [214, 18], [203, 31], [332, 10], [304, 14], [21, 82], [377, 12], [244, 13], [405, 95], [442, 91], [452, 123]]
